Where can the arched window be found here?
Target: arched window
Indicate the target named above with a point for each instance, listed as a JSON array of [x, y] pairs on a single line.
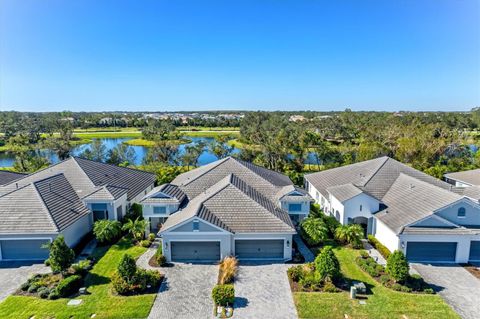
[[461, 212], [337, 215]]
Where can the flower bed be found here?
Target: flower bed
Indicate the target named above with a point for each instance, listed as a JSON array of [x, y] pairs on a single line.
[[413, 284], [158, 259]]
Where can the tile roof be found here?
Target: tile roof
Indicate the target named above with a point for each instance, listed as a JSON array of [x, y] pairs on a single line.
[[8, 176], [471, 177], [106, 192], [344, 192], [44, 206], [267, 182], [410, 199], [472, 192], [440, 231], [173, 192], [374, 177], [86, 176], [236, 206]]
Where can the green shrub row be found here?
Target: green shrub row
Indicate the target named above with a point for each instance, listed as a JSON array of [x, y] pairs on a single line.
[[384, 251], [69, 285]]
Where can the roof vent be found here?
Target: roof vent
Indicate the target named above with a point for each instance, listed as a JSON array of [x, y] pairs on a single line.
[[16, 185], [412, 186]]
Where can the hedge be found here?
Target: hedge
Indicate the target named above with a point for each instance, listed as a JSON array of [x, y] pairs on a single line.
[[384, 251], [69, 285]]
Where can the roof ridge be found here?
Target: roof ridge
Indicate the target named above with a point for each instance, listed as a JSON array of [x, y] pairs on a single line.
[[220, 161], [113, 165], [235, 179], [243, 163], [376, 171]]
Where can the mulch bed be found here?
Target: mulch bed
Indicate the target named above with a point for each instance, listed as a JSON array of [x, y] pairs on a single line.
[[153, 263], [473, 270]]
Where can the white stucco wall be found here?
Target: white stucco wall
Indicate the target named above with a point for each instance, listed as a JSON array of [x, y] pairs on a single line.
[[386, 236], [74, 233], [147, 209], [360, 206]]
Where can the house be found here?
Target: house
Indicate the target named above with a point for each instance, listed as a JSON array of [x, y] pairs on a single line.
[[65, 198], [464, 179], [228, 207], [405, 209]]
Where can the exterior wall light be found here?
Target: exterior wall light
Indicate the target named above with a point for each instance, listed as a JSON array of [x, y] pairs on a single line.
[[288, 243]]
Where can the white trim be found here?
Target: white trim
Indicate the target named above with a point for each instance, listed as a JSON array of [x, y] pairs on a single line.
[[188, 220]]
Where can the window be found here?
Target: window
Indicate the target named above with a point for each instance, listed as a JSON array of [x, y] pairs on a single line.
[[318, 196], [294, 207], [461, 212], [361, 207], [159, 210], [196, 225], [100, 211]]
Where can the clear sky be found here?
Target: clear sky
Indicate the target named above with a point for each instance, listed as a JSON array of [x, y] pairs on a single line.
[[260, 54]]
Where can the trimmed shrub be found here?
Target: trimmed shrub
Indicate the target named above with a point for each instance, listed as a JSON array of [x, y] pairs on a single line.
[[61, 256], [120, 285], [160, 259], [428, 291], [82, 267], [364, 254], [311, 281], [25, 286], [33, 288], [406, 289], [385, 279], [397, 266], [107, 231], [53, 295], [145, 243], [46, 262], [329, 287], [151, 236], [69, 285], [327, 265], [223, 295], [153, 277], [127, 268], [384, 251], [43, 292], [397, 287], [296, 273]]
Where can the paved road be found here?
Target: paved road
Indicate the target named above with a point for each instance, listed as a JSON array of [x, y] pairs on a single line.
[[263, 291], [13, 274], [459, 288]]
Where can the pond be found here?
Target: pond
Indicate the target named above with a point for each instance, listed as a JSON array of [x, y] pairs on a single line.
[[7, 159]]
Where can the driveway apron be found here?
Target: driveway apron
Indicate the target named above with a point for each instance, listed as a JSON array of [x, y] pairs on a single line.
[[459, 288]]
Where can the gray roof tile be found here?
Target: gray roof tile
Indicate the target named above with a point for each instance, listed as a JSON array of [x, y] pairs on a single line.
[[344, 192], [471, 177], [8, 176]]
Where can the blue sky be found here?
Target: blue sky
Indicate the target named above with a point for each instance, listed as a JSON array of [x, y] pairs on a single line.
[[260, 54]]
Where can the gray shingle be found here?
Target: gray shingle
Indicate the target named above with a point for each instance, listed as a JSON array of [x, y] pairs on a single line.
[[175, 193]]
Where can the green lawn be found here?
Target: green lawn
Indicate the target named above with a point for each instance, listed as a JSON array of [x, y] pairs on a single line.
[[99, 301], [381, 303]]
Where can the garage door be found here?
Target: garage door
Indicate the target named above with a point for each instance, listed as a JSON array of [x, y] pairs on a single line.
[[475, 251], [195, 251], [24, 249], [259, 249], [431, 252]]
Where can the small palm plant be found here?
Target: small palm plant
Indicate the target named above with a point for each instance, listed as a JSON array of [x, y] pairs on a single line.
[[350, 234], [314, 230], [136, 228]]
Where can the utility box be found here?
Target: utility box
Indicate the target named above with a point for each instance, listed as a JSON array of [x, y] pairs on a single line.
[[353, 292]]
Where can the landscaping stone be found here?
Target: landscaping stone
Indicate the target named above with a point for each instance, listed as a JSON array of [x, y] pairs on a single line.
[[375, 254], [74, 302]]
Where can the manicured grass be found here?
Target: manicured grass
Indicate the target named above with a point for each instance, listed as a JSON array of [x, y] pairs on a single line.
[[210, 133], [207, 128], [121, 134], [147, 143], [381, 303], [237, 144], [100, 299]]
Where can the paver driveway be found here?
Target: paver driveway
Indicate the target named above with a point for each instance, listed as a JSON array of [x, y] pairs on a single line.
[[13, 274], [459, 288], [263, 291]]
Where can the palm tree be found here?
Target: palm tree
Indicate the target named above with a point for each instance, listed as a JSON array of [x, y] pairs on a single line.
[[351, 234], [136, 228], [315, 230]]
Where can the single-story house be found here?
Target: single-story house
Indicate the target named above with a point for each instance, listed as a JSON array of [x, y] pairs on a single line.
[[228, 207], [405, 209], [105, 192]]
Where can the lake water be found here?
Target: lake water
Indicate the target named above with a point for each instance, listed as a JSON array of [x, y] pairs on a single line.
[[7, 159]]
